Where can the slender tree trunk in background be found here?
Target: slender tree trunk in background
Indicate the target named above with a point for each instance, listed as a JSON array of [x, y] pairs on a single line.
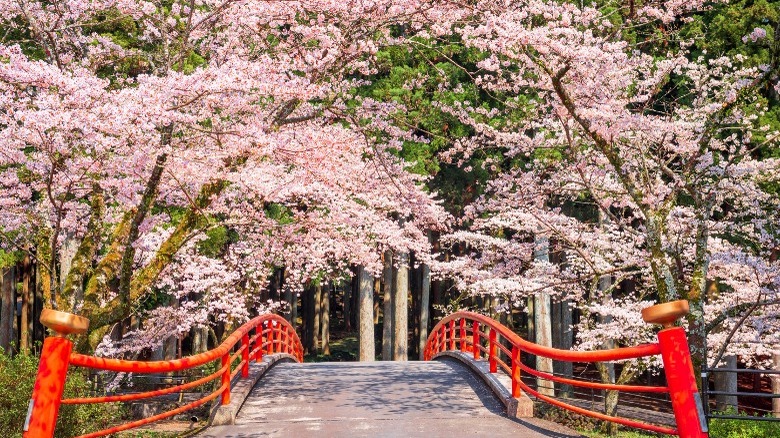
[[315, 328], [24, 320], [366, 316], [531, 334], [307, 300], [425, 295], [542, 322], [294, 310], [325, 319], [776, 383], [387, 306], [607, 369], [348, 307], [200, 339], [726, 382], [7, 309], [401, 309], [377, 294], [286, 295], [39, 299], [562, 339]]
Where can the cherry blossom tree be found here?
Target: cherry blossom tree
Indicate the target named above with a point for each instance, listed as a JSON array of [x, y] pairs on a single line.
[[639, 164], [136, 129]]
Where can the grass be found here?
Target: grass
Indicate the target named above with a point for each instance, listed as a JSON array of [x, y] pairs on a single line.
[[343, 348]]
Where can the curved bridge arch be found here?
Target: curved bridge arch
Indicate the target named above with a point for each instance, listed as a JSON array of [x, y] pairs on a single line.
[[270, 334], [469, 332]]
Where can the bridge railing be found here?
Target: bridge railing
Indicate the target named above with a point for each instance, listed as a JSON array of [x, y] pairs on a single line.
[[265, 334], [479, 335]]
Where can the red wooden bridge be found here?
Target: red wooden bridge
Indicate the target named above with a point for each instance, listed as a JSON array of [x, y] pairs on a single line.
[[472, 383]]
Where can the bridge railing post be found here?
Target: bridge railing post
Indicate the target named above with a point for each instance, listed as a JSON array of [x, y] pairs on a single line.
[[515, 371], [463, 335], [452, 335], [52, 371], [270, 338], [475, 342], [678, 368], [492, 355], [245, 356], [225, 380], [259, 343]]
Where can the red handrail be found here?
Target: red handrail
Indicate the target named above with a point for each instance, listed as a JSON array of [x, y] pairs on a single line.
[[672, 346], [56, 356]]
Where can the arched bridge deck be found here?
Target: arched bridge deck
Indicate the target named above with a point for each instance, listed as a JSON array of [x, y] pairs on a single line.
[[440, 398], [428, 399]]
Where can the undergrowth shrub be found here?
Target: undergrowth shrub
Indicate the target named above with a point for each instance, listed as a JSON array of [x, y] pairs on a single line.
[[17, 377], [747, 428]]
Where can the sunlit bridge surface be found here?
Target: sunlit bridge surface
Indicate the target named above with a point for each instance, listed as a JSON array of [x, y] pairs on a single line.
[[382, 399]]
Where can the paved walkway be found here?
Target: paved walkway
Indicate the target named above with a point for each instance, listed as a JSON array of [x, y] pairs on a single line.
[[380, 399]]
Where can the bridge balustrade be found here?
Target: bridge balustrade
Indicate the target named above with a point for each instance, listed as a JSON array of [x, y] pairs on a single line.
[[479, 335], [265, 334]]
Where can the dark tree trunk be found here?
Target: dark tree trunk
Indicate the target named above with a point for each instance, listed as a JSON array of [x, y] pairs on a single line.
[[325, 319], [387, 307], [7, 307]]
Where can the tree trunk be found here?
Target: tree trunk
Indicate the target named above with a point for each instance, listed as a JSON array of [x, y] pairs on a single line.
[[325, 319], [387, 307], [562, 339], [425, 295], [366, 316], [294, 310], [776, 384], [200, 338], [542, 322], [607, 369], [39, 301], [7, 306], [377, 293], [307, 301], [401, 309], [726, 382], [348, 307], [24, 320], [315, 328]]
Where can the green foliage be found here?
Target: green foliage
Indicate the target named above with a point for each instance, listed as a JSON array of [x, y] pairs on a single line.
[[17, 377], [723, 428], [216, 241]]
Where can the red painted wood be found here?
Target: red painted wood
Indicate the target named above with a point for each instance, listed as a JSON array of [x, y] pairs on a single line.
[[49, 385], [475, 341], [672, 346], [678, 368]]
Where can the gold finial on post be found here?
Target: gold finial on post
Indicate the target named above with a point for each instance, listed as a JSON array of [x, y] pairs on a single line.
[[63, 323], [666, 314]]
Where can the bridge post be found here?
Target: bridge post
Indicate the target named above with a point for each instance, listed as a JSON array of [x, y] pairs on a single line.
[[515, 371], [226, 378], [452, 335], [52, 370], [475, 339], [463, 335], [245, 356], [259, 343], [269, 339], [492, 351], [678, 367]]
